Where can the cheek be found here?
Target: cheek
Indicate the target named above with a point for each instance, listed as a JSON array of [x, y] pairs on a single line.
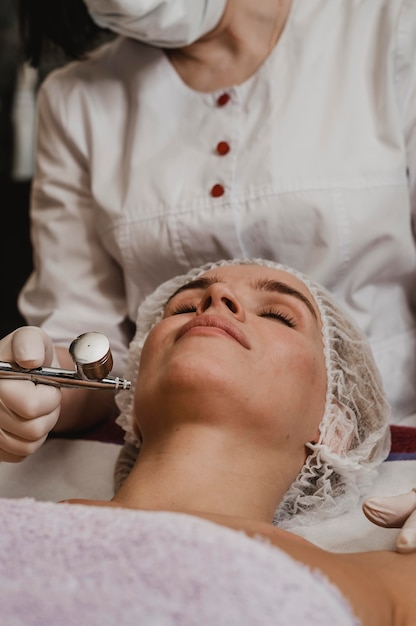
[[150, 364], [155, 348], [297, 384], [312, 391]]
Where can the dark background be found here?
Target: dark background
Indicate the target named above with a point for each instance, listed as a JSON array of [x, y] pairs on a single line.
[[16, 253], [16, 250]]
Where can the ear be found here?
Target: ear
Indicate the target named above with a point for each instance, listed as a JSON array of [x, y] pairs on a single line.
[[136, 430], [316, 436], [338, 429], [135, 427]]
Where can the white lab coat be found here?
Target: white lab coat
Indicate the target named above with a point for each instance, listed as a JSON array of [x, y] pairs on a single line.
[[320, 175]]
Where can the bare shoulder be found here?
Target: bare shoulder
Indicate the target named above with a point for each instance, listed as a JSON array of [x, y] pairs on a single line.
[[397, 573], [379, 584], [374, 598]]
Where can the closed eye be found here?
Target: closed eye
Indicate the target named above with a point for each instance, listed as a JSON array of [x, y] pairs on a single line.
[[182, 308], [280, 317]]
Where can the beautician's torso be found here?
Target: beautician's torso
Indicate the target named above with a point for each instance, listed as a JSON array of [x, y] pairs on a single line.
[[315, 176]]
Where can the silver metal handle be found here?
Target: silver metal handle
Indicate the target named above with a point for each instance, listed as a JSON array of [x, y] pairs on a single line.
[[59, 377]]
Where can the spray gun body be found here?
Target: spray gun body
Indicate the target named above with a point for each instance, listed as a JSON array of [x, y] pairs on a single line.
[[93, 361]]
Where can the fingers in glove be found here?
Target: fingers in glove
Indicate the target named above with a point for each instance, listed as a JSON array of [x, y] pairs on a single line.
[[11, 458], [15, 449], [26, 429], [28, 400], [392, 511]]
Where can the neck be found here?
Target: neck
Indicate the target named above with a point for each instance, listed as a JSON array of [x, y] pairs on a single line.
[[235, 49], [196, 471]]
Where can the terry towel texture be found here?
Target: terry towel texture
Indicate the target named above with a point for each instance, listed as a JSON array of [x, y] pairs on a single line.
[[71, 565]]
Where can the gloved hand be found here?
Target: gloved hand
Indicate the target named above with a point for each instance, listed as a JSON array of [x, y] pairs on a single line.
[[28, 411], [395, 512]]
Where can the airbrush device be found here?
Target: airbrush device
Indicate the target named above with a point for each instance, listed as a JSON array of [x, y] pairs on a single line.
[[93, 362]]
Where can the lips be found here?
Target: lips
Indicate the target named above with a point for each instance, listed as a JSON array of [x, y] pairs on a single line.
[[214, 321]]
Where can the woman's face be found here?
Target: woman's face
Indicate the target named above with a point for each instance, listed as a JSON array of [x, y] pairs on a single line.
[[239, 348]]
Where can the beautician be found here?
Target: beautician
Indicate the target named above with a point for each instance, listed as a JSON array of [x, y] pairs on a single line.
[[281, 129]]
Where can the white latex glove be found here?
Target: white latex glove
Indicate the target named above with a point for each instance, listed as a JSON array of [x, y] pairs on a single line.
[[163, 23], [28, 411], [395, 512]]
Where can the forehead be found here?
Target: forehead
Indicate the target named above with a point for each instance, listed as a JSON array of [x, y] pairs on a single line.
[[248, 276]]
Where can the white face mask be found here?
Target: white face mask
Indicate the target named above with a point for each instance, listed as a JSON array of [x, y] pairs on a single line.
[[163, 23]]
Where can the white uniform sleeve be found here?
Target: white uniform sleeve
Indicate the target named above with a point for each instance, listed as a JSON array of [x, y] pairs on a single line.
[[158, 22], [76, 285], [405, 72]]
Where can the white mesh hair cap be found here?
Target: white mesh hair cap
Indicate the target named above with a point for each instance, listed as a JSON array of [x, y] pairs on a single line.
[[354, 429]]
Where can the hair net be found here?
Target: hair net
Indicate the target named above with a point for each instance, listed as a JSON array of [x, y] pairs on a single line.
[[354, 432]]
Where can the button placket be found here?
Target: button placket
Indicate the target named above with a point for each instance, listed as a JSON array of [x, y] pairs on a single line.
[[217, 190], [223, 147], [223, 99]]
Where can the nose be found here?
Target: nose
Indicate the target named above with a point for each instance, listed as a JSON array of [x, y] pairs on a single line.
[[218, 298]]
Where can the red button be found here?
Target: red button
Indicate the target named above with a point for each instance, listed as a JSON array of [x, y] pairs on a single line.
[[223, 99], [217, 191], [223, 148]]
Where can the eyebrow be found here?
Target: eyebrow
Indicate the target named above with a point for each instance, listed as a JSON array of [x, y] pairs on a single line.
[[266, 284], [262, 284]]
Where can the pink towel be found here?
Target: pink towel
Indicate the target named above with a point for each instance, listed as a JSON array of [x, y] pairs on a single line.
[[70, 565]]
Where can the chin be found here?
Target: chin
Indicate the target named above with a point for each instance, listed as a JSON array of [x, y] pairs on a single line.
[[185, 385], [200, 371]]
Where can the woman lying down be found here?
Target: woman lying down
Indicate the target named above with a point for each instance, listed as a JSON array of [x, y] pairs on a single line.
[[257, 406]]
